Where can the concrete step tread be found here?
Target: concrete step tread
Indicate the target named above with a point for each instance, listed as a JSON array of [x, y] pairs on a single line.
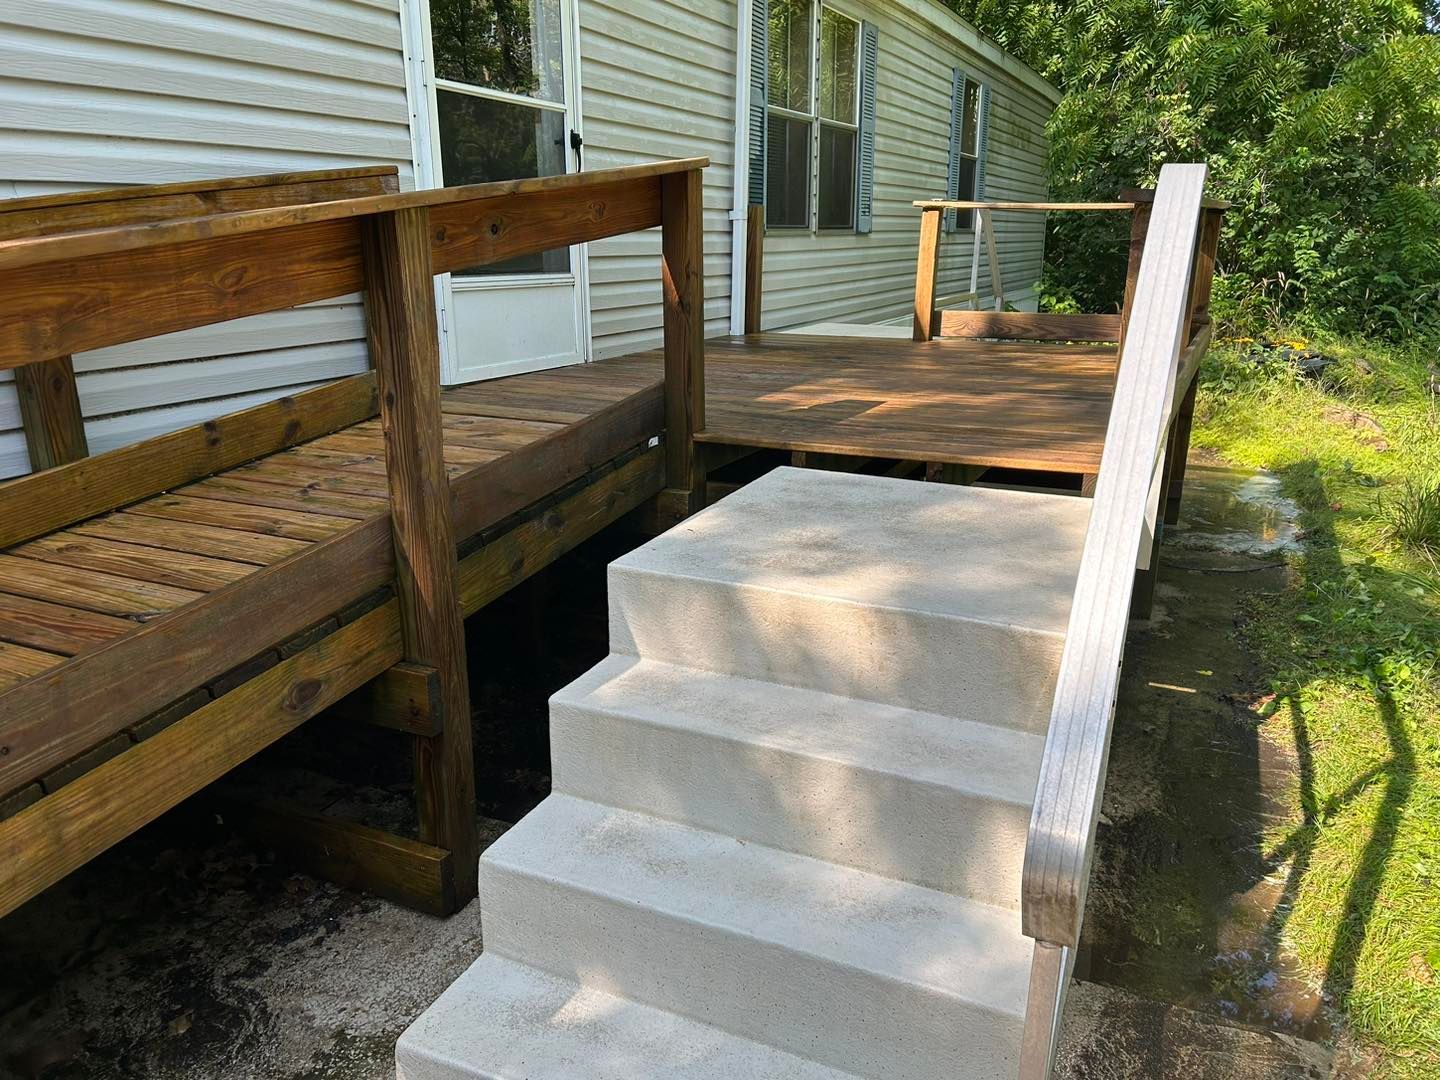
[[1000, 557], [981, 759], [946, 944], [503, 1020]]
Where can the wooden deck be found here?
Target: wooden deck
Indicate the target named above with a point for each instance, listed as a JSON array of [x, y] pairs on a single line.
[[103, 579], [169, 609], [1027, 405]]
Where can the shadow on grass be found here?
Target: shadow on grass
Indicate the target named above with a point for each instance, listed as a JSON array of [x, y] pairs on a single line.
[[1397, 772]]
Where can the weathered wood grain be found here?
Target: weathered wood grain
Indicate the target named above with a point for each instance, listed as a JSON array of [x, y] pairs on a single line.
[[45, 841], [682, 275], [50, 413], [1025, 325], [927, 261], [41, 503], [401, 330]]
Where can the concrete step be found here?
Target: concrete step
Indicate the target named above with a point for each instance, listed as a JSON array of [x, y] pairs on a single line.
[[925, 798], [852, 970], [506, 1021], [944, 599]]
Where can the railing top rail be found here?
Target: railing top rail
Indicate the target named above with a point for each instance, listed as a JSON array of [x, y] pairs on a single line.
[[83, 290], [189, 187], [1036, 207], [1072, 771], [34, 251]]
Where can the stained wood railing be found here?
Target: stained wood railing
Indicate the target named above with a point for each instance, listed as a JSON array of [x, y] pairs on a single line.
[[1162, 344], [102, 286]]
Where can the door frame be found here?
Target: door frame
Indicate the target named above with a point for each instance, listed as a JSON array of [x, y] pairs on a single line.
[[425, 158]]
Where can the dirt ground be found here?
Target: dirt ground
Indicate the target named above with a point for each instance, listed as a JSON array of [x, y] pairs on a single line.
[[186, 952]]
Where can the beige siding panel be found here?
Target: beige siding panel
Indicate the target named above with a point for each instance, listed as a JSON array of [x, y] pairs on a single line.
[[657, 81], [96, 93], [847, 277]]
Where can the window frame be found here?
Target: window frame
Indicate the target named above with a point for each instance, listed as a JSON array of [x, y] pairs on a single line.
[[814, 121], [820, 121]]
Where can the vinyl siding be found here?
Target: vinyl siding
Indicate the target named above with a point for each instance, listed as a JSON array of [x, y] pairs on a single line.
[[842, 276], [657, 81], [95, 93]]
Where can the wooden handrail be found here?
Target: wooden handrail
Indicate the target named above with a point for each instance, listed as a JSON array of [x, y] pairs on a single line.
[[103, 287], [1036, 207], [1072, 771]]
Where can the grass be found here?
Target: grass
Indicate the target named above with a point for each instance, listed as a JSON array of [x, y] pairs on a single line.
[[1352, 650]]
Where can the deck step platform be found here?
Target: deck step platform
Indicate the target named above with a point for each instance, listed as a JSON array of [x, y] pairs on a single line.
[[789, 810]]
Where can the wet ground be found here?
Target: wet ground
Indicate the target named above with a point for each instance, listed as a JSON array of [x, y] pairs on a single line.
[[1184, 907], [187, 952]]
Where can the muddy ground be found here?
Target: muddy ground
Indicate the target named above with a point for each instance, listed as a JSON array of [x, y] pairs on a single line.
[[189, 952]]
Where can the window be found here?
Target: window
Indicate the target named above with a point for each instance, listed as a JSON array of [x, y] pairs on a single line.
[[789, 116], [969, 149], [500, 100], [839, 115], [812, 117]]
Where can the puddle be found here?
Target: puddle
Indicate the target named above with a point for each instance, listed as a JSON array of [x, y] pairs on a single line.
[[1187, 903], [1238, 511]]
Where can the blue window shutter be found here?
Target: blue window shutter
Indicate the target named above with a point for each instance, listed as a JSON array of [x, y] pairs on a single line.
[[957, 127], [984, 154], [865, 168], [759, 85]]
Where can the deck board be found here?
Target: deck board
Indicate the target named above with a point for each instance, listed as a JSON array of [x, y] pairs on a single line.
[[1016, 404]]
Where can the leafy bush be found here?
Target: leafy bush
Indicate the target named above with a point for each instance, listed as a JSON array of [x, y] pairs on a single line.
[[1321, 123]]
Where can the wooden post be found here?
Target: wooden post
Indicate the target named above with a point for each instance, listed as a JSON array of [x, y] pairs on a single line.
[[926, 266], [50, 413], [683, 281], [400, 319], [1139, 226], [1206, 251], [1205, 256], [754, 268]]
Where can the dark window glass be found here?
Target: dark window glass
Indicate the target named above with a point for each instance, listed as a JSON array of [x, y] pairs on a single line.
[[966, 218], [510, 45], [787, 172], [837, 177], [482, 140]]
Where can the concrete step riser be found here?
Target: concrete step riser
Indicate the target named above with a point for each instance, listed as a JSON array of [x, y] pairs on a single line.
[[805, 1004], [919, 660], [884, 823]]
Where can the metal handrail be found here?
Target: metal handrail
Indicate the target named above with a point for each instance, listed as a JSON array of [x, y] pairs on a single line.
[[1122, 519]]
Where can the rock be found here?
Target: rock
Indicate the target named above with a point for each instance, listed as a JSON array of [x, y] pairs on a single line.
[[1367, 429]]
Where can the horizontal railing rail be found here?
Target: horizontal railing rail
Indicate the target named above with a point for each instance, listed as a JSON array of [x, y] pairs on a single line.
[[1159, 350]]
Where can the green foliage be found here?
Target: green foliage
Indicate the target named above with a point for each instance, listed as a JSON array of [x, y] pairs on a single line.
[[1320, 122], [1412, 517]]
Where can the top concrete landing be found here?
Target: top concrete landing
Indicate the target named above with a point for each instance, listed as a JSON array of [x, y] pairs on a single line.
[[1001, 557]]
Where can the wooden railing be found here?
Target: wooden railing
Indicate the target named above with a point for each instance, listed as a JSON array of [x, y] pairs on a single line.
[[1162, 343], [102, 286]]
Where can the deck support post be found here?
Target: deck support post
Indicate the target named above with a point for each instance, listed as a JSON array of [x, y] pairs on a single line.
[[401, 325], [926, 267], [50, 413], [754, 268], [1139, 227], [683, 282], [1206, 252]]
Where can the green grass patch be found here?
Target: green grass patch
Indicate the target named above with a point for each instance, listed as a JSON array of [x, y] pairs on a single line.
[[1352, 649]]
